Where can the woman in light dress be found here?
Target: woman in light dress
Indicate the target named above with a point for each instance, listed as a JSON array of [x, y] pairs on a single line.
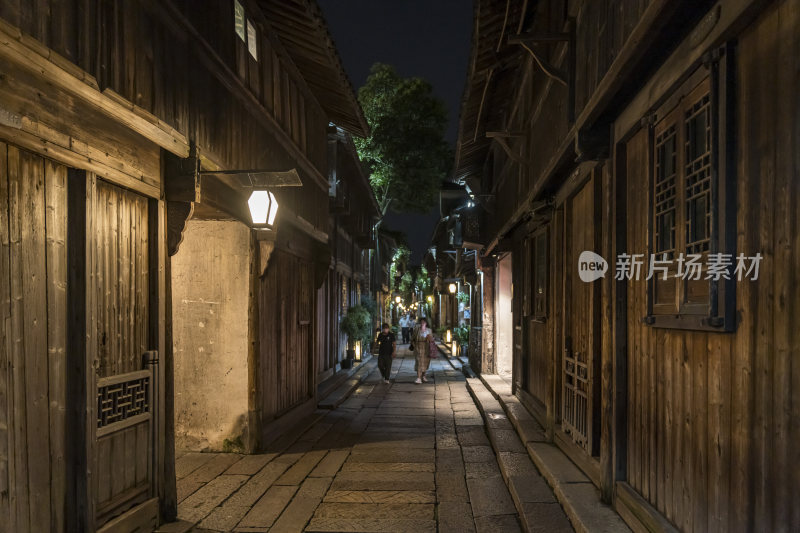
[[421, 336]]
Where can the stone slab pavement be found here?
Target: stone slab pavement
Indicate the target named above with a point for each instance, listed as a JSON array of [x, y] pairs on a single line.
[[397, 457]]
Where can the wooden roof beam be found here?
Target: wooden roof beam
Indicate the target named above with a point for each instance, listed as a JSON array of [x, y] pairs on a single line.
[[539, 37]]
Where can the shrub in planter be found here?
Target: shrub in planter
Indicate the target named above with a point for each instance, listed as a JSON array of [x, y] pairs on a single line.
[[357, 325], [461, 334]]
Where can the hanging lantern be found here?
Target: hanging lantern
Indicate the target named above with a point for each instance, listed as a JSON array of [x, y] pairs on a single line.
[[452, 288], [263, 208]]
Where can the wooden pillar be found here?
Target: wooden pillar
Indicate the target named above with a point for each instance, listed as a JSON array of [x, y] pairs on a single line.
[[161, 329], [619, 333], [606, 336], [261, 244]]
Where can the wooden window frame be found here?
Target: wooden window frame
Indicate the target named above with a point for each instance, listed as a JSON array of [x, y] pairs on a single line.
[[717, 311], [535, 271]]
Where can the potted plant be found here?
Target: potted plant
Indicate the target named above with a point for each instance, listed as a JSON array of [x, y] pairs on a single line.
[[356, 324], [461, 334]]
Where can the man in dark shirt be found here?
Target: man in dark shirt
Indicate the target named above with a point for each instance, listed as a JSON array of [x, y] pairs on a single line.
[[387, 348]]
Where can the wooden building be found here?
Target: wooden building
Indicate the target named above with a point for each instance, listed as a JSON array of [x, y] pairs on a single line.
[[131, 135], [660, 128], [353, 214]]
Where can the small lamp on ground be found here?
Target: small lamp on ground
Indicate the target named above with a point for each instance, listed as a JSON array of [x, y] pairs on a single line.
[[448, 336], [358, 350]]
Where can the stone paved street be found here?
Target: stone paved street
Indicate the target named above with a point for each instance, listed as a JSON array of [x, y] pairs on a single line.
[[399, 457]]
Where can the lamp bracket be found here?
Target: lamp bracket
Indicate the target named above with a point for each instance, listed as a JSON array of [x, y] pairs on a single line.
[[258, 178]]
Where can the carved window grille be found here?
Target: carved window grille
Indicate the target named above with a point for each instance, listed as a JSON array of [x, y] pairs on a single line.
[[119, 400], [692, 191], [664, 190], [697, 140]]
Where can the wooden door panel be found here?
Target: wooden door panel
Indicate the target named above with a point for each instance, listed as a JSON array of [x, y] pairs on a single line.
[[287, 292], [122, 387], [580, 318], [121, 279]]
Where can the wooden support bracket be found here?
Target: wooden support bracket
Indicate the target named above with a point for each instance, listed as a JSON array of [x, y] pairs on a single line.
[[501, 141], [177, 215], [593, 144], [266, 244], [555, 73]]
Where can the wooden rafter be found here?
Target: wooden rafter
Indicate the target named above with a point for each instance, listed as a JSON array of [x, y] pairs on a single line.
[[557, 74], [500, 138]]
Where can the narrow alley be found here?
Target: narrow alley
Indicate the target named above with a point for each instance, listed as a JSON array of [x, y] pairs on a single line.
[[224, 224], [399, 457]]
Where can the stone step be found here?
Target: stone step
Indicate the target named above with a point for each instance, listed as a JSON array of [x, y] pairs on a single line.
[[343, 391], [535, 502], [560, 477]]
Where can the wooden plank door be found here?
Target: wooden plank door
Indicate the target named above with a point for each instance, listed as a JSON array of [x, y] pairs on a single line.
[[580, 376], [122, 385]]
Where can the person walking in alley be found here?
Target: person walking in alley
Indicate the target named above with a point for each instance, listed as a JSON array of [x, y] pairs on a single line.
[[404, 327], [421, 338], [387, 349]]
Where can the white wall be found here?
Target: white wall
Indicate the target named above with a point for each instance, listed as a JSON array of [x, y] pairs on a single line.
[[210, 302], [504, 325]]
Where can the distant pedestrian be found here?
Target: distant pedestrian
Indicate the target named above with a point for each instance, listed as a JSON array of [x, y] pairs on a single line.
[[404, 328], [387, 349], [421, 337]]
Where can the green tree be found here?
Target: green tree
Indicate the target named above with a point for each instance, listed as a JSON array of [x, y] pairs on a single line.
[[405, 154]]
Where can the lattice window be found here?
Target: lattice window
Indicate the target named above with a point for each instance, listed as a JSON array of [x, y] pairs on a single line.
[[119, 401], [692, 189], [664, 190], [697, 141]]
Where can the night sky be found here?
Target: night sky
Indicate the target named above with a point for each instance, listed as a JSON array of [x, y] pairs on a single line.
[[429, 39]]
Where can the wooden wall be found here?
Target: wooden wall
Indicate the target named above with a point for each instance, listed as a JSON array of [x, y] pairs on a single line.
[[542, 108], [713, 417], [151, 55], [33, 228]]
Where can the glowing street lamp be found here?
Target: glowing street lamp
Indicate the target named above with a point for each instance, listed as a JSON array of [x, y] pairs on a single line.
[[263, 208], [397, 299]]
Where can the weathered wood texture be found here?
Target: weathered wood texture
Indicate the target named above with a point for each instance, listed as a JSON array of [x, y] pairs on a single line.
[[32, 453], [538, 108], [123, 468], [173, 64], [712, 417], [122, 279], [286, 334], [121, 276]]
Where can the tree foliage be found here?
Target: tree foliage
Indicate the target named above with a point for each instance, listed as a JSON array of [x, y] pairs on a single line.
[[405, 154]]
